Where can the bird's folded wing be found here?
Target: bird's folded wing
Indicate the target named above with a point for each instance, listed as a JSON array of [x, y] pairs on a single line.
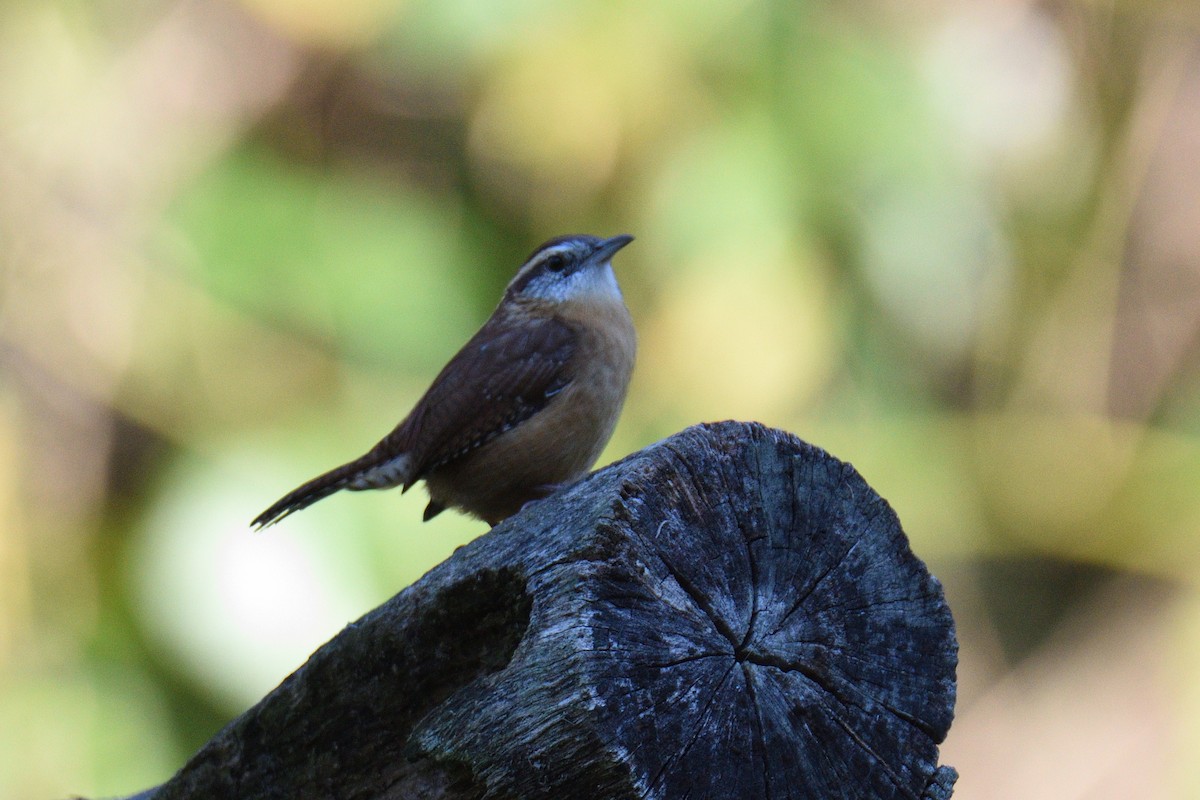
[[503, 376]]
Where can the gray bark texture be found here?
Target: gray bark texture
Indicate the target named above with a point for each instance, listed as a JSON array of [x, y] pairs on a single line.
[[729, 613]]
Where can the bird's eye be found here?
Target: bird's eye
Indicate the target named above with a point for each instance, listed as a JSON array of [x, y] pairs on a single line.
[[556, 262]]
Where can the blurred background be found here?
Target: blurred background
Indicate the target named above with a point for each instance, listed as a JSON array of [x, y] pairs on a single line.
[[954, 243]]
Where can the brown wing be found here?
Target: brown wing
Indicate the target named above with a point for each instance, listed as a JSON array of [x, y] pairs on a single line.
[[503, 376]]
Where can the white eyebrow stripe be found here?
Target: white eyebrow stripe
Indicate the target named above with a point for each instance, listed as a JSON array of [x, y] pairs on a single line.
[[565, 248]]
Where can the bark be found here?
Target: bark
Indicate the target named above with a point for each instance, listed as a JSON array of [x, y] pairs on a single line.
[[730, 613]]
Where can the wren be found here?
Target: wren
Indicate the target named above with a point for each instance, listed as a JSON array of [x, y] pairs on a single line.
[[524, 408]]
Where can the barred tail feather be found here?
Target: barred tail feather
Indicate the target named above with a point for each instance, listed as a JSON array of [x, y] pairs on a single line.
[[378, 469], [305, 495]]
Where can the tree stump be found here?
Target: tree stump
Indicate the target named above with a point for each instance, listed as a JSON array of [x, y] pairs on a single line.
[[730, 613]]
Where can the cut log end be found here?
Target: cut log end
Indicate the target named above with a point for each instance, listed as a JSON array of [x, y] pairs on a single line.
[[730, 613]]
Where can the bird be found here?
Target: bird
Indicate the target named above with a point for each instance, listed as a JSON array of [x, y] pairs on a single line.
[[523, 409]]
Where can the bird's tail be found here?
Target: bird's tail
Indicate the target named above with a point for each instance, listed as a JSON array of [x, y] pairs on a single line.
[[320, 487]]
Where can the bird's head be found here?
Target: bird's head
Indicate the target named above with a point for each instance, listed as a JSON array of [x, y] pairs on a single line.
[[567, 268]]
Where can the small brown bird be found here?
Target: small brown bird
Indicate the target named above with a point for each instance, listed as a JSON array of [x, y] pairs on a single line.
[[523, 408]]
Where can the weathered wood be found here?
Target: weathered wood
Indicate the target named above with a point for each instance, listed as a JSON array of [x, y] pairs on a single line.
[[731, 613]]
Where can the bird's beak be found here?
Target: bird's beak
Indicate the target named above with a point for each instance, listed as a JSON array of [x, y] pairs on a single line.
[[605, 250]]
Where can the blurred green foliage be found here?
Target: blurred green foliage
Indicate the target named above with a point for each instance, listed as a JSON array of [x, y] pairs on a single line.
[[317, 250], [957, 244]]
